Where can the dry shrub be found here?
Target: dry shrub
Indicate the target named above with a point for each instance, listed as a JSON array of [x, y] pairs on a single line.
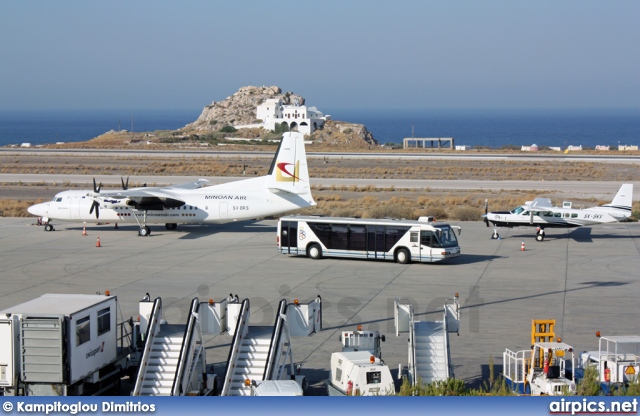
[[466, 214], [16, 208], [391, 210], [437, 213]]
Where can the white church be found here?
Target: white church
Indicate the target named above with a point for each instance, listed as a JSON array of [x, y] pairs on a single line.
[[297, 117]]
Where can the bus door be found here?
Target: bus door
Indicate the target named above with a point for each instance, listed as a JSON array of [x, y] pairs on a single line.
[[427, 240], [289, 236], [375, 242]]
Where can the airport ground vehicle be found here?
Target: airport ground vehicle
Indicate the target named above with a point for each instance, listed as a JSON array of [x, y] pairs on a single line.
[[65, 345], [403, 241], [548, 368], [617, 360], [358, 370]]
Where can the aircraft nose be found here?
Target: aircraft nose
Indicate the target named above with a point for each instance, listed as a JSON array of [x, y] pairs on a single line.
[[39, 210]]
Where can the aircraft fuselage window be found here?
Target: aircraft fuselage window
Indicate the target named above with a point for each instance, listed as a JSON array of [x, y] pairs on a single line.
[[557, 215], [548, 214], [575, 215], [525, 213]]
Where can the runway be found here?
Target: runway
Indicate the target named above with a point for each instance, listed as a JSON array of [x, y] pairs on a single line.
[[576, 189], [612, 157], [586, 278]]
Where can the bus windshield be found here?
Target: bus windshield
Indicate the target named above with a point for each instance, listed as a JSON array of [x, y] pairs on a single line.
[[445, 238]]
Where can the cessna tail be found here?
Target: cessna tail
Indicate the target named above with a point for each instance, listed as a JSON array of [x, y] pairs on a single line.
[[285, 188]]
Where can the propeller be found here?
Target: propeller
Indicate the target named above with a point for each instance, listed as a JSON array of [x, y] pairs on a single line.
[[486, 211], [95, 205], [125, 185]]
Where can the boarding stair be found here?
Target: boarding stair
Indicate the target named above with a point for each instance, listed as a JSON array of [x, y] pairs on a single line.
[[173, 362], [429, 352], [261, 353]]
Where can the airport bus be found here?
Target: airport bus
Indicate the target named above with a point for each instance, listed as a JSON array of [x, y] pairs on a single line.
[[403, 241]]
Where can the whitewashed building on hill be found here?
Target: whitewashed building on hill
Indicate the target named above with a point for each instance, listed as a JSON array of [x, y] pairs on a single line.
[[297, 117]]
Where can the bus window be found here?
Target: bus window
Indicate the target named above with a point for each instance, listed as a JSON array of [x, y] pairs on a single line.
[[339, 233], [392, 235], [357, 237], [425, 238], [446, 237]]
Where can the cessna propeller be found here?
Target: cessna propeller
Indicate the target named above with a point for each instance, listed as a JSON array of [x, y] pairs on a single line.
[[486, 211]]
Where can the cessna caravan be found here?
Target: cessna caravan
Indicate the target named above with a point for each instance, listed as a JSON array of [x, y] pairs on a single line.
[[286, 187], [541, 213]]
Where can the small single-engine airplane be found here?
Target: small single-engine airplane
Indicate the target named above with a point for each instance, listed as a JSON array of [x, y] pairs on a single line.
[[286, 187], [541, 213]]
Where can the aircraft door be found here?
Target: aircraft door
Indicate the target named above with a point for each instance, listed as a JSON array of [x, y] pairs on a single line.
[[375, 241], [224, 210], [74, 210]]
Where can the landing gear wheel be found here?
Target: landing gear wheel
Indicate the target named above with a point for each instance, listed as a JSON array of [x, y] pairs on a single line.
[[144, 231], [403, 256], [540, 237], [495, 236], [48, 227], [171, 225], [314, 251]]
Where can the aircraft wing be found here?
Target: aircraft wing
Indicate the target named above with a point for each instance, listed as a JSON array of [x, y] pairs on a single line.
[[146, 198], [539, 204], [188, 185]]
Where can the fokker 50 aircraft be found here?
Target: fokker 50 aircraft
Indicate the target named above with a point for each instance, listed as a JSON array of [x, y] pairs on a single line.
[[285, 188], [541, 213]]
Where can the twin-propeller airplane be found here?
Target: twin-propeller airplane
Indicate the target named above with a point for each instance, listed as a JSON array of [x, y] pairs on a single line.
[[286, 187], [541, 213]]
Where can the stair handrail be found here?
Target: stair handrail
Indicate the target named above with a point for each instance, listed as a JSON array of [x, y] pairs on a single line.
[[276, 335], [185, 358], [412, 347], [446, 343], [241, 329], [152, 330]]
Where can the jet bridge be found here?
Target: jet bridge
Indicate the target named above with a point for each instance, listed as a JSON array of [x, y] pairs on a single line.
[[173, 362], [260, 353], [429, 353]]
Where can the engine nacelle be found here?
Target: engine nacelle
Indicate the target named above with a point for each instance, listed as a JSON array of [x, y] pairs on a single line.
[[118, 203]]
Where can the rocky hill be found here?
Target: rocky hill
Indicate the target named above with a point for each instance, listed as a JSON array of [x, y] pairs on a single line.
[[240, 109]]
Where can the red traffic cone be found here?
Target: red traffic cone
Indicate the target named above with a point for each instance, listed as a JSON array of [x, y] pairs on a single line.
[[522, 246], [84, 230], [98, 243]]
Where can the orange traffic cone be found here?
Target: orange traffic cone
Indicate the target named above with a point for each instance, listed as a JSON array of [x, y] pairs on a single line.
[[522, 246], [98, 243], [84, 230]]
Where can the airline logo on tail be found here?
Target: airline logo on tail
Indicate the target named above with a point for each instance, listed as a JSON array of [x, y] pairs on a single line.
[[284, 174]]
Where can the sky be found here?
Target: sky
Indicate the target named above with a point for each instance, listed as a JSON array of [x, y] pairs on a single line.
[[345, 54]]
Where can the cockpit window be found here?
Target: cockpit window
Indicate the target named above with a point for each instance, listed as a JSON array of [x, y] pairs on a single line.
[[57, 199], [517, 211]]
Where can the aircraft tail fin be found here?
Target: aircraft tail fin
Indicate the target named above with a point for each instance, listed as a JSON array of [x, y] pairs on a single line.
[[289, 171], [620, 207]]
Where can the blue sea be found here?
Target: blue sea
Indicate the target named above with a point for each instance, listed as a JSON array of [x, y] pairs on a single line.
[[490, 128]]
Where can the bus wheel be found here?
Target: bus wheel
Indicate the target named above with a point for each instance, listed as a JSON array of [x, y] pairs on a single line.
[[403, 256], [314, 251]]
